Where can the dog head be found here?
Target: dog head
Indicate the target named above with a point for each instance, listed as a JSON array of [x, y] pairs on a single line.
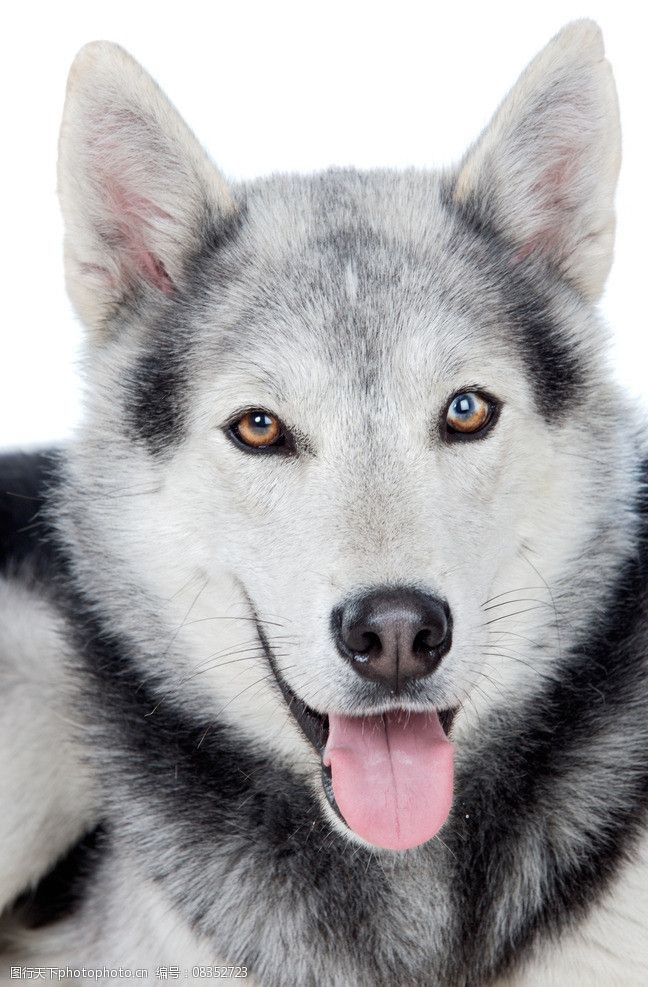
[[343, 432]]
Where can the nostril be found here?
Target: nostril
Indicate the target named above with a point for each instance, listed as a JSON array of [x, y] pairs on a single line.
[[362, 643], [423, 642], [372, 644], [429, 638]]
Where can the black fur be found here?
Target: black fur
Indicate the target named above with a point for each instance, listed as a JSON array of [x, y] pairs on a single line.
[[234, 820], [62, 890], [555, 368], [157, 386], [23, 482], [157, 395]]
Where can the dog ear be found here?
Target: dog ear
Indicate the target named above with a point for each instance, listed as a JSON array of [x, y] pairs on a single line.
[[542, 175], [139, 195]]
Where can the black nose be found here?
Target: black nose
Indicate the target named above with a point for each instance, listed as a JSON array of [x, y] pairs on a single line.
[[393, 636]]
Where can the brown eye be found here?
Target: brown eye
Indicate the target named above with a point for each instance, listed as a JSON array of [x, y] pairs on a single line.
[[468, 413], [258, 430]]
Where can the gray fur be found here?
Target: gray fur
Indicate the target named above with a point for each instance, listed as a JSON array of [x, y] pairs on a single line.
[[353, 306]]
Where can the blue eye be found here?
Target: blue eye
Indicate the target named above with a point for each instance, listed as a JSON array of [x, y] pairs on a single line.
[[463, 406], [468, 413]]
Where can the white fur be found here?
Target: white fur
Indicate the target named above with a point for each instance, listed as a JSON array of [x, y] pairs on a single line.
[[46, 793], [608, 949]]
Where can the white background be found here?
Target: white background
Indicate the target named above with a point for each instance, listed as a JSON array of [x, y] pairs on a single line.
[[282, 86]]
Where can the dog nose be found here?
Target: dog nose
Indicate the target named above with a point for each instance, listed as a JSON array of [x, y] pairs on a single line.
[[393, 636]]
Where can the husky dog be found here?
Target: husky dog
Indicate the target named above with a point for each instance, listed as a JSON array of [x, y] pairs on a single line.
[[324, 642]]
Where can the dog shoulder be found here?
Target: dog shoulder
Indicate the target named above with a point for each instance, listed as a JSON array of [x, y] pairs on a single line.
[[609, 949], [45, 789]]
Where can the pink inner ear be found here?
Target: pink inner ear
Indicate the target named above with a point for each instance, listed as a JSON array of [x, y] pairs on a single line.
[[154, 271], [523, 252], [131, 214], [554, 197]]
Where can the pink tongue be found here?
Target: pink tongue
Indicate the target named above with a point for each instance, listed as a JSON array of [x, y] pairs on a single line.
[[392, 776]]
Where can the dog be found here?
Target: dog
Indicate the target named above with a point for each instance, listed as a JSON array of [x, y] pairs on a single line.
[[323, 642]]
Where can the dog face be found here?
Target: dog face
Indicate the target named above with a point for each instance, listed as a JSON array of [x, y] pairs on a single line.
[[341, 430]]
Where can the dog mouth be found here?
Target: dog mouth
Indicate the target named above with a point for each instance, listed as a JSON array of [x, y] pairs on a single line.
[[387, 776]]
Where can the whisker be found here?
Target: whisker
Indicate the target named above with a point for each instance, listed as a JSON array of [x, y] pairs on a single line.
[[512, 657], [200, 620], [519, 599], [241, 646], [505, 616], [184, 586], [184, 619], [529, 640], [519, 589], [549, 591], [217, 663], [452, 854], [122, 494], [268, 675]]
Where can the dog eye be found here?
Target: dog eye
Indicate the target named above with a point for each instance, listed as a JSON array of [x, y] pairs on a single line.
[[468, 413], [258, 430]]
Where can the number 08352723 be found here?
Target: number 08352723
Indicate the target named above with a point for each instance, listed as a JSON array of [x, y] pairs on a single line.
[[219, 972]]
